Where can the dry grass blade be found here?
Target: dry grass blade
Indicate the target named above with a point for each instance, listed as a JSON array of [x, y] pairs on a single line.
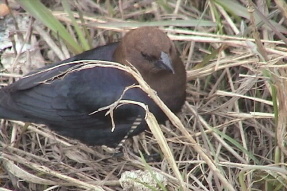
[[65, 180]]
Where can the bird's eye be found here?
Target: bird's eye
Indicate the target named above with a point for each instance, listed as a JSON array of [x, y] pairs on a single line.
[[170, 50], [144, 55], [148, 57]]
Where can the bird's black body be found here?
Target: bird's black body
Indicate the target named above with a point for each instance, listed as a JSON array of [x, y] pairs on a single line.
[[65, 100], [66, 103]]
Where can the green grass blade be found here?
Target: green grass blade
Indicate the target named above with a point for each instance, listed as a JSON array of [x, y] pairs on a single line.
[[41, 13]]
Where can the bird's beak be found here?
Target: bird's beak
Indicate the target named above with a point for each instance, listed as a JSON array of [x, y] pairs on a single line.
[[165, 63]]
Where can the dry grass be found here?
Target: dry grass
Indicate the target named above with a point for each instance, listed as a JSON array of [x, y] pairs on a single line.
[[232, 128]]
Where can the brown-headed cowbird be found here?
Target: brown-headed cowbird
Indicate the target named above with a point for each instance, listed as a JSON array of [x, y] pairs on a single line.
[[65, 100]]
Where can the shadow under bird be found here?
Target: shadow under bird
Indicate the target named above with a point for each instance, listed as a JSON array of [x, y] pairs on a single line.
[[65, 103]]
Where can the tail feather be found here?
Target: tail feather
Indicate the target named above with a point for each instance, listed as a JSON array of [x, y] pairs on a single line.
[[6, 113]]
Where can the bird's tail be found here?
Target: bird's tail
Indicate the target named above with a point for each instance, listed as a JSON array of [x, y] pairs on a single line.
[[5, 112]]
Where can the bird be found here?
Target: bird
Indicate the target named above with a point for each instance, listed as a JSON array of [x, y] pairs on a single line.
[[65, 98]]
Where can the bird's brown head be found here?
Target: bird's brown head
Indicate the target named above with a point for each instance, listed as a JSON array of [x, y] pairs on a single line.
[[154, 55], [148, 49]]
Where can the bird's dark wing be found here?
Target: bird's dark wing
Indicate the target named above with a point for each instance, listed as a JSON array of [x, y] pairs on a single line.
[[65, 102], [104, 53], [66, 105]]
